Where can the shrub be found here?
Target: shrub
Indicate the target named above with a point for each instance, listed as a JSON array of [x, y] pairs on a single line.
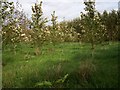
[[86, 70]]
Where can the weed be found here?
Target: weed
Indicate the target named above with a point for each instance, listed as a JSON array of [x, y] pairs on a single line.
[[57, 83], [86, 69]]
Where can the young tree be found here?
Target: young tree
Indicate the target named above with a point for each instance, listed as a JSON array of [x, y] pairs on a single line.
[[54, 29], [14, 23], [38, 23], [89, 20], [7, 22], [92, 27], [91, 24]]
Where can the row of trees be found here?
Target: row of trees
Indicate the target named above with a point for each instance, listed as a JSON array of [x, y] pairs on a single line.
[[92, 27], [110, 22]]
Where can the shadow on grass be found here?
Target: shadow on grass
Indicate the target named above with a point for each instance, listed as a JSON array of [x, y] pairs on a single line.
[[105, 61], [51, 68]]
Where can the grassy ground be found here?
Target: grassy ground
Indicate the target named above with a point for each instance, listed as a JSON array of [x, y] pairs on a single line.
[[25, 69]]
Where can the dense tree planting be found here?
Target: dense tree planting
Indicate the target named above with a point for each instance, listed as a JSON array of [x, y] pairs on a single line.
[[77, 53], [93, 27]]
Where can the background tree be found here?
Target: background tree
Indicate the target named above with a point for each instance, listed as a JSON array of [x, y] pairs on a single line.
[[109, 20], [76, 24], [104, 19], [118, 24], [112, 30], [54, 30]]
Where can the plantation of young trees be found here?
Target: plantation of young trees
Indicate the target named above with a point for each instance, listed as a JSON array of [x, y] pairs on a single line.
[[91, 28]]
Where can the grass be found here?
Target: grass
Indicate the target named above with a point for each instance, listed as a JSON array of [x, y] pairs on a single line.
[[25, 69]]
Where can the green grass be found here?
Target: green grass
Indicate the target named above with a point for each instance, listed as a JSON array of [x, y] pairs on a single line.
[[24, 69]]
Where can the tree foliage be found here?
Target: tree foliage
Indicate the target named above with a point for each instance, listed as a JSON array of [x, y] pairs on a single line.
[[38, 23], [91, 24], [93, 27]]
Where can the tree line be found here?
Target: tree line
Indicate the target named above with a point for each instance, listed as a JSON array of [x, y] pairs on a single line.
[[93, 27]]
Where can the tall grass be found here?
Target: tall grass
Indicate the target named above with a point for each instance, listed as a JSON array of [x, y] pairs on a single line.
[[75, 60]]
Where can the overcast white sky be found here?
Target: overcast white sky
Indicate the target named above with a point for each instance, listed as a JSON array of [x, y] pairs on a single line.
[[67, 9]]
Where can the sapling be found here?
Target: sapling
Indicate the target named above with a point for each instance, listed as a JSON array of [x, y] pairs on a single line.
[[38, 23], [91, 25]]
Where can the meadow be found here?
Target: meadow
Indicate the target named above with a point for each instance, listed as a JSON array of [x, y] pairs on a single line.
[[64, 65], [82, 52]]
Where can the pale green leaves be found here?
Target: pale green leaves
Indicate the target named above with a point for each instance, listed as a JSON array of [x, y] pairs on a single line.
[[51, 84], [44, 84]]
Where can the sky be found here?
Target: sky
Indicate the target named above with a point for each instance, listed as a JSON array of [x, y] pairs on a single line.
[[66, 9]]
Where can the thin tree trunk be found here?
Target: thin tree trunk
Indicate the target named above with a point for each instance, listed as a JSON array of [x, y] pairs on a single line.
[[92, 43]]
